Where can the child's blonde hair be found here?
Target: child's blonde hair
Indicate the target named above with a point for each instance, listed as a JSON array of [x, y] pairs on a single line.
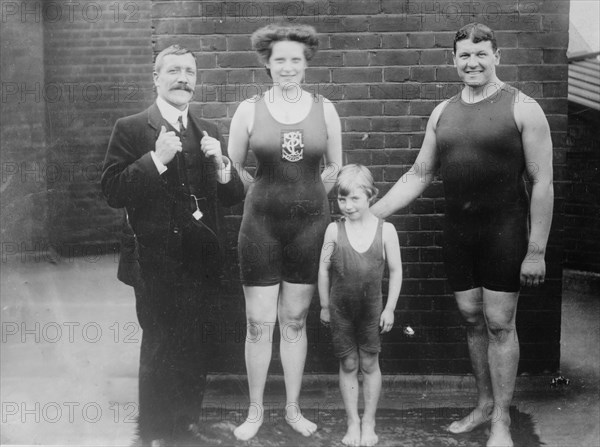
[[355, 176]]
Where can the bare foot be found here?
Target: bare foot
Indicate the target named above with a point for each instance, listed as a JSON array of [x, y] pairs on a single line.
[[476, 418], [250, 427], [500, 435], [368, 437], [302, 425], [247, 430], [352, 436], [293, 416]]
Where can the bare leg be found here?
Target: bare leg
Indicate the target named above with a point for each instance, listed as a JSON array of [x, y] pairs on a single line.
[[369, 365], [293, 308], [349, 389], [470, 304], [261, 312], [503, 356]]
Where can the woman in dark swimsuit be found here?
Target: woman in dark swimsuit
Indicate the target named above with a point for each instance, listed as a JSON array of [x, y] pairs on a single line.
[[290, 132]]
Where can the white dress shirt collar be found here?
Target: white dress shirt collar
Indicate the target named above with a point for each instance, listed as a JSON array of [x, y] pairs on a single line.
[[171, 114]]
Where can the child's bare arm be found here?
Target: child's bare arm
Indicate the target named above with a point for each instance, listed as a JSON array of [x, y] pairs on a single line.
[[391, 247], [324, 265]]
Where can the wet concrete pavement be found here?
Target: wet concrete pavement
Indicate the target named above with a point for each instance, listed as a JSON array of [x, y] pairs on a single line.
[[70, 349]]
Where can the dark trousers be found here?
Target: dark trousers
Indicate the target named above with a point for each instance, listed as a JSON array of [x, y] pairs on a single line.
[[172, 375]]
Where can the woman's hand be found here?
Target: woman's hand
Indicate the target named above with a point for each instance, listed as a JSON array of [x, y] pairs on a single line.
[[325, 317]]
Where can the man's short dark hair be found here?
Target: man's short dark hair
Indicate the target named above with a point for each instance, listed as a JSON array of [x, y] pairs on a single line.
[[477, 32], [173, 49]]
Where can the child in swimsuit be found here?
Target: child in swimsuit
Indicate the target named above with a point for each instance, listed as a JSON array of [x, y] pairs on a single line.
[[355, 251]]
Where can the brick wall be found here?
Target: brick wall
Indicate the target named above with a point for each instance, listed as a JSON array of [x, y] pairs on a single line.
[[99, 56], [582, 210], [23, 210], [385, 65], [69, 70]]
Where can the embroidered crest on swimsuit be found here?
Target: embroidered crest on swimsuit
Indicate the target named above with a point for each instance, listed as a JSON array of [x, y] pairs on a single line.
[[292, 145]]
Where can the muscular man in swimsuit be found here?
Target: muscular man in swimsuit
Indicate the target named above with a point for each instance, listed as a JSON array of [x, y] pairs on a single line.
[[483, 141]]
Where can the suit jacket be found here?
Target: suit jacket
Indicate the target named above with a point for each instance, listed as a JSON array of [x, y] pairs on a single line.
[[128, 270], [169, 240]]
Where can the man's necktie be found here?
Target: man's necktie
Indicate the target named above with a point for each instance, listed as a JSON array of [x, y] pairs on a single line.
[[181, 126]]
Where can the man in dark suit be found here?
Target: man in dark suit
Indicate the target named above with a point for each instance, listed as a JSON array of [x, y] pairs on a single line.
[[166, 167]]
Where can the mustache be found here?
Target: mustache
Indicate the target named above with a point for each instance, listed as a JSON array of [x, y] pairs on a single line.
[[185, 87]]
